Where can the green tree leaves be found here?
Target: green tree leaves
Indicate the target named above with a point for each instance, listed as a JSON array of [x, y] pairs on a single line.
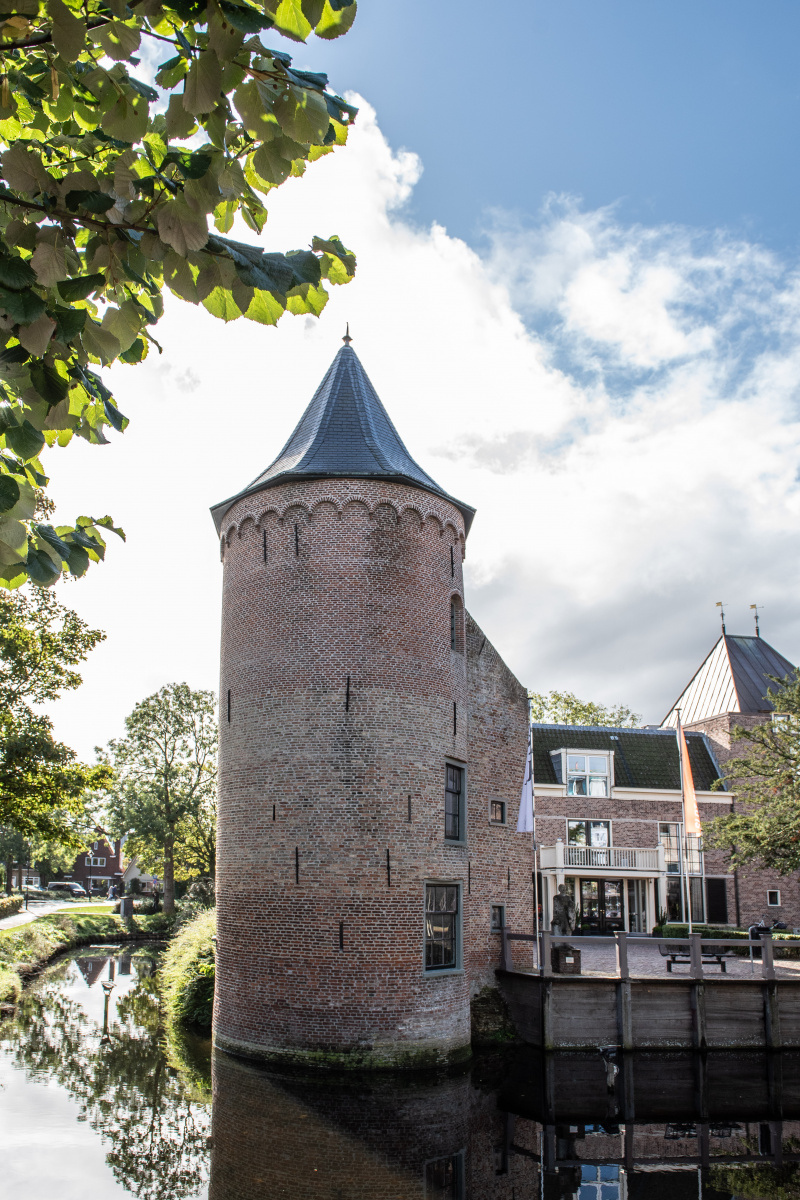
[[564, 708], [43, 788], [165, 775], [102, 206], [765, 777]]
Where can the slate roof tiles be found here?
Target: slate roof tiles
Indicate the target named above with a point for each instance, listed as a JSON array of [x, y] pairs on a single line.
[[346, 433], [643, 758]]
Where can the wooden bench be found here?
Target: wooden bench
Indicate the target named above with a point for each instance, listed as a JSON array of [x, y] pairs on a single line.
[[680, 954]]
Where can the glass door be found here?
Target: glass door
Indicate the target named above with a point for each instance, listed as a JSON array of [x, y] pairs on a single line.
[[637, 906], [590, 906], [613, 906], [602, 906]]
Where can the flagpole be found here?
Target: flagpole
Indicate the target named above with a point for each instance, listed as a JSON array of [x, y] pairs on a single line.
[[533, 844], [684, 837]]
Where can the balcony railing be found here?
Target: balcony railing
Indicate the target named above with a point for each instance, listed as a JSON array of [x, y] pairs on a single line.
[[608, 858]]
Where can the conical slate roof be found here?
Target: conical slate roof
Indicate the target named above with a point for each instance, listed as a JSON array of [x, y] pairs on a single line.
[[345, 433], [733, 679]]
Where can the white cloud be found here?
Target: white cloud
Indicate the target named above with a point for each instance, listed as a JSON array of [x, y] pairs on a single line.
[[619, 403]]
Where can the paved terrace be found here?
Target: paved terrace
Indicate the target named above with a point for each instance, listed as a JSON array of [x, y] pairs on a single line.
[[646, 962]]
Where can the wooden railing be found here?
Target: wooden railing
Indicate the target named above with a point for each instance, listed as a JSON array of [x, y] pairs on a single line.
[[696, 948]]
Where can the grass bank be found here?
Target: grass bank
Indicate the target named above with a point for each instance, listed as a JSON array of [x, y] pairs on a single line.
[[187, 973], [24, 950]]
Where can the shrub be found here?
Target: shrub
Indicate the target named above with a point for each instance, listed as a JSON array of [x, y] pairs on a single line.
[[10, 905], [785, 945], [10, 984], [188, 970]]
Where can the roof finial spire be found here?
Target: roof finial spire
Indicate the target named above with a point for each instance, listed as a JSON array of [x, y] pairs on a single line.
[[347, 339], [720, 604], [757, 607]]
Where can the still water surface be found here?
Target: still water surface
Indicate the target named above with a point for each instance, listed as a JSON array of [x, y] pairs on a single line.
[[95, 1104]]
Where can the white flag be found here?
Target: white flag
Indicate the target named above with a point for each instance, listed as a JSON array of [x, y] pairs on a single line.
[[525, 819]]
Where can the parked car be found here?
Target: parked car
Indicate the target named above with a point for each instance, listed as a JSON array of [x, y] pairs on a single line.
[[73, 890], [35, 893]]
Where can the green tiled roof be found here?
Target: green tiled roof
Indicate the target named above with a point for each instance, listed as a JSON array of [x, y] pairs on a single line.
[[644, 758]]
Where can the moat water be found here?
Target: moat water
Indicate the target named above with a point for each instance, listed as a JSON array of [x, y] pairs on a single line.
[[97, 1102]]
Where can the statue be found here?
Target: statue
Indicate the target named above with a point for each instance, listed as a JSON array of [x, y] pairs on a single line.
[[563, 922]]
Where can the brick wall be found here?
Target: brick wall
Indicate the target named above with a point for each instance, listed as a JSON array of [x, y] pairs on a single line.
[[753, 884], [327, 581], [501, 859]]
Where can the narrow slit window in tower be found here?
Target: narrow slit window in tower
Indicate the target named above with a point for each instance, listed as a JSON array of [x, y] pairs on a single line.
[[452, 802]]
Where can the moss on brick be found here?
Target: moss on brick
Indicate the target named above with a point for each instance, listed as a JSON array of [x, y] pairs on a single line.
[[491, 1021]]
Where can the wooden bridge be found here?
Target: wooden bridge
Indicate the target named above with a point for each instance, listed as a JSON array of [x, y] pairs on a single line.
[[698, 1012]]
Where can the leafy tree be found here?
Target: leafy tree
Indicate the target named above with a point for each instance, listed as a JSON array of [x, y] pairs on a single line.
[[41, 643], [196, 853], [564, 708], [13, 848], [766, 778], [43, 788], [165, 775], [761, 1180], [107, 189]]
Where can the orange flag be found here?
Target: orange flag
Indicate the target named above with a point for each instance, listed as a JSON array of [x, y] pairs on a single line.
[[690, 809]]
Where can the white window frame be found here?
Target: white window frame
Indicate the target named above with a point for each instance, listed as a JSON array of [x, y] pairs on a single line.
[[589, 820], [773, 892], [560, 760]]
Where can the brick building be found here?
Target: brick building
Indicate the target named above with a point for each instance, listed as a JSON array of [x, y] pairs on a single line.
[[371, 754], [100, 865], [730, 689], [608, 807], [609, 823]]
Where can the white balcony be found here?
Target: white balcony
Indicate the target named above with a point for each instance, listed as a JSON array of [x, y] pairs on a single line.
[[603, 860]]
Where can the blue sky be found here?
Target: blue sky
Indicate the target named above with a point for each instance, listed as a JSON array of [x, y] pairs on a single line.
[[578, 296], [676, 111]]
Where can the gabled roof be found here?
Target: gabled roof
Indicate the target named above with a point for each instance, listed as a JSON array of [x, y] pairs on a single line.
[[643, 758], [733, 679], [345, 433]]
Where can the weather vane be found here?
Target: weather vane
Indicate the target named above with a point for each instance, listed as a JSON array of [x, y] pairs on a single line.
[[757, 607], [720, 604]]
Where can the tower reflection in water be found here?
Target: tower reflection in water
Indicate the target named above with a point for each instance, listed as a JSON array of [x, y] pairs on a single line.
[[662, 1127]]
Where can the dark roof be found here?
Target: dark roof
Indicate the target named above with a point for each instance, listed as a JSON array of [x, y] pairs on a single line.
[[733, 678], [345, 433], [643, 758]]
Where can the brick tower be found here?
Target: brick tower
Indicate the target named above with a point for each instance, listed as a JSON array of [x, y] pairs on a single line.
[[344, 867]]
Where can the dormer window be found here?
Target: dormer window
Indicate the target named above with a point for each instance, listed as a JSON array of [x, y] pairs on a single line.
[[587, 775]]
